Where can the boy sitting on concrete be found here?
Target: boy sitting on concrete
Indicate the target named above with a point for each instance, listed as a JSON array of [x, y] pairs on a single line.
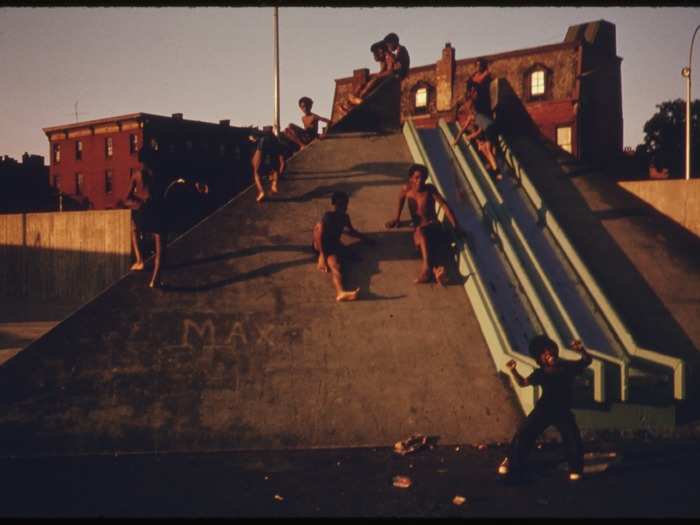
[[387, 66], [302, 137], [556, 376], [401, 58], [326, 242]]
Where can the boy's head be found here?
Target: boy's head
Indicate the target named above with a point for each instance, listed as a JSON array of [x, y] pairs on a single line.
[[340, 199], [378, 49], [543, 350], [481, 65], [417, 175], [392, 41], [305, 104]]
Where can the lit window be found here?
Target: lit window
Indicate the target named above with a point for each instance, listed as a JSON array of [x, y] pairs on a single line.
[[109, 147], [108, 181], [78, 183], [133, 143], [422, 98], [78, 150], [56, 153], [537, 83], [564, 138]]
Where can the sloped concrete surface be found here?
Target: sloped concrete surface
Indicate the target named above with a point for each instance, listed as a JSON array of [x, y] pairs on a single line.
[[246, 348]]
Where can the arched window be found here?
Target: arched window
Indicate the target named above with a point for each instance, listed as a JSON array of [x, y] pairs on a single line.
[[422, 95], [421, 99], [537, 82]]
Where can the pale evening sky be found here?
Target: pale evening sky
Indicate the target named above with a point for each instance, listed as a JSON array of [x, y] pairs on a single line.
[[216, 63]]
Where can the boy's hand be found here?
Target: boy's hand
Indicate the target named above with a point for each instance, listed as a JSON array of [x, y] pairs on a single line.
[[322, 264], [511, 364], [394, 223], [576, 345]]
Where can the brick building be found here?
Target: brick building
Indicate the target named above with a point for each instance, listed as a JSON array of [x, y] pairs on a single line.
[[91, 162], [571, 90], [25, 185]]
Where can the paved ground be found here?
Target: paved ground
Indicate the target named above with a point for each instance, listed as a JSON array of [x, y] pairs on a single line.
[[247, 348]]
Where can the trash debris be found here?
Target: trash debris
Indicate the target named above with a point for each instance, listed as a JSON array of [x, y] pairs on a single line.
[[482, 446], [277, 497], [540, 446], [337, 464], [442, 470], [267, 477], [412, 444], [459, 500], [457, 449], [402, 482]]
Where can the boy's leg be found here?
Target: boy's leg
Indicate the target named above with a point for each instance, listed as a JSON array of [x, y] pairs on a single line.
[[138, 264], [571, 436], [421, 242], [274, 177], [157, 261], [337, 276], [523, 441]]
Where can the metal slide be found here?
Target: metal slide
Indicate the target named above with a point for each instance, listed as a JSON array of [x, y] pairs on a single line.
[[524, 282]]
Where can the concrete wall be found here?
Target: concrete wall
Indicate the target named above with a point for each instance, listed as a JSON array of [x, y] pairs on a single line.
[[677, 199], [63, 255]]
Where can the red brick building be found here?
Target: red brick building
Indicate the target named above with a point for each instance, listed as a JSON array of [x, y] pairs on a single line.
[[571, 91], [91, 162]]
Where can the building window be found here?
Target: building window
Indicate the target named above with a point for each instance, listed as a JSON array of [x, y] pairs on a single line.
[[171, 148], [78, 183], [78, 150], [564, 138], [57, 182], [56, 153], [188, 145], [154, 145], [222, 150], [108, 181], [422, 98], [133, 143], [109, 148], [237, 152], [537, 83]]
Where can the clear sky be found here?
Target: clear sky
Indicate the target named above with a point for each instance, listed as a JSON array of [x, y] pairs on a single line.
[[217, 63]]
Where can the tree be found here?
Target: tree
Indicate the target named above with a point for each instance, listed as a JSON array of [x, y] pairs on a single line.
[[664, 140]]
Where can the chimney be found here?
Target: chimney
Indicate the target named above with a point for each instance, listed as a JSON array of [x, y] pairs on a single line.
[[444, 70], [225, 122], [177, 116]]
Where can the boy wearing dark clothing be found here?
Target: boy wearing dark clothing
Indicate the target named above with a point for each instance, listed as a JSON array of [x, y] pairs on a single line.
[[402, 59], [267, 159], [302, 137], [556, 377], [481, 82]]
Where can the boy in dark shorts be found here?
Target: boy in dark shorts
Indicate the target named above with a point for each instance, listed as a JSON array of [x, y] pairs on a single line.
[[304, 136], [148, 216], [428, 235], [386, 68], [401, 58], [481, 83], [268, 159], [326, 242], [556, 376]]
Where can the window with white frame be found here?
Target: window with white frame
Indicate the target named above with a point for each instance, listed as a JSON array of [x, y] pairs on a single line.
[[109, 147], [422, 98], [564, 138], [537, 82], [56, 153]]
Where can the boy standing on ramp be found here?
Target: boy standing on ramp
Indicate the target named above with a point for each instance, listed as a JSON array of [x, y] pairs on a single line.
[[556, 376], [326, 241]]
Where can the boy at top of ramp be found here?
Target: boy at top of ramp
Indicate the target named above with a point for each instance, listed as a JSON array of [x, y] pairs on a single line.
[[400, 54], [267, 159], [331, 251], [556, 376], [302, 137], [428, 237], [387, 66]]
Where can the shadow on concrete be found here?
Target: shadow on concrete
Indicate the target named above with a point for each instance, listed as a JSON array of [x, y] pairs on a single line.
[[244, 252], [391, 169]]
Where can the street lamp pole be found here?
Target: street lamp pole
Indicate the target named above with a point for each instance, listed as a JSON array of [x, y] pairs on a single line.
[[277, 72], [686, 72]]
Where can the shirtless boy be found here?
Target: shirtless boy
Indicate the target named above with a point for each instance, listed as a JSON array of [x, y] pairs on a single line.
[[304, 136], [267, 159], [400, 53], [481, 128], [428, 234], [387, 66], [326, 241]]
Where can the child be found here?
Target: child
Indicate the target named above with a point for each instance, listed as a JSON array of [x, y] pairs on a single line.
[[386, 68], [267, 159], [304, 136], [400, 53], [556, 376], [482, 128], [481, 81], [326, 241]]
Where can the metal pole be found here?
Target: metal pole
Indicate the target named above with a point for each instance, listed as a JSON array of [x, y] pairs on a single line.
[[688, 117], [277, 73]]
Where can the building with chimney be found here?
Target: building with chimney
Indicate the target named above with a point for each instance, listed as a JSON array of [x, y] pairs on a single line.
[[571, 91]]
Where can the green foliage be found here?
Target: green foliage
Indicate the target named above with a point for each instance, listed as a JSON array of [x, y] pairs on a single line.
[[664, 140]]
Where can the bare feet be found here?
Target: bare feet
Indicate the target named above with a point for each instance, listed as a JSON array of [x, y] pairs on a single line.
[[138, 265], [347, 296], [273, 188], [423, 278], [355, 100], [155, 284], [440, 275], [260, 197]]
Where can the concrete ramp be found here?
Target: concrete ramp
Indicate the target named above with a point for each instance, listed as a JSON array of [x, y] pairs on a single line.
[[247, 348]]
